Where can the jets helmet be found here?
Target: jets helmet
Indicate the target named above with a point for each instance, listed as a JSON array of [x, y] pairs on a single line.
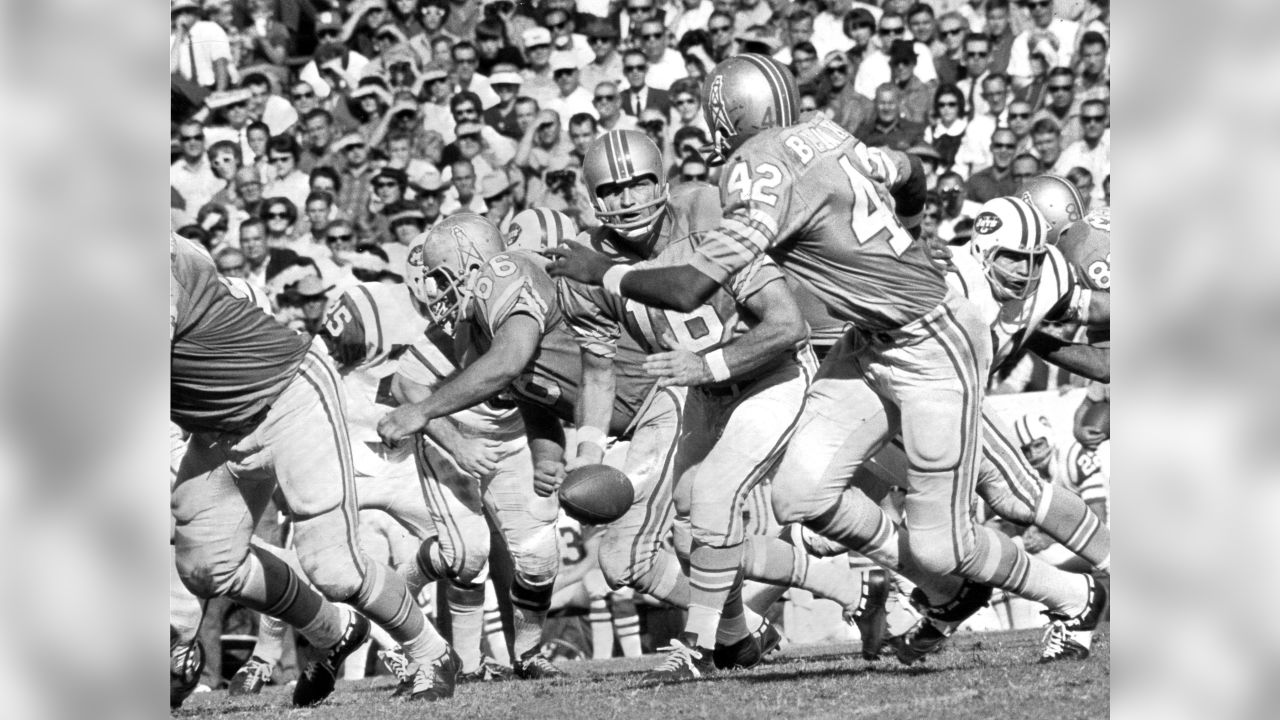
[[621, 156], [444, 261], [742, 96], [1005, 227], [1057, 199], [1035, 437], [539, 228]]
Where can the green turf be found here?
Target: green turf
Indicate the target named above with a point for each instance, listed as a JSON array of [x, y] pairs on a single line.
[[989, 676]]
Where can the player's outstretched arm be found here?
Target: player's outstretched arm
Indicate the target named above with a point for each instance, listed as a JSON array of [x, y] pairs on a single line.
[[475, 455], [681, 287], [514, 344], [595, 408], [1084, 360]]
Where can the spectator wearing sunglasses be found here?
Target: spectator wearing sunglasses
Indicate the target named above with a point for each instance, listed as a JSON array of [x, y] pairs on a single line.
[[686, 101], [874, 69], [950, 128], [288, 180], [917, 96], [192, 174], [1021, 121], [565, 40], [952, 28], [1060, 105], [638, 96], [997, 180], [666, 65], [1054, 37], [977, 66], [693, 169], [608, 104], [280, 216], [606, 64], [849, 108], [1093, 151], [723, 43], [571, 97]]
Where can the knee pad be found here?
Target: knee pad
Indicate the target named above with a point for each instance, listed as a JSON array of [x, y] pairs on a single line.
[[931, 436], [615, 563], [207, 578], [334, 572], [537, 557]]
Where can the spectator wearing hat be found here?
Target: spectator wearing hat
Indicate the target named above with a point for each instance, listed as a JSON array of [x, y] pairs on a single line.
[[1053, 37], [462, 195], [888, 127], [608, 105], [539, 81], [930, 160], [847, 107], [495, 189], [997, 180], [287, 180], [571, 98], [506, 83], [368, 104], [917, 96], [361, 29], [406, 221], [199, 50], [874, 69], [949, 62], [338, 62], [192, 174], [229, 117], [429, 194], [665, 64], [606, 65], [301, 306], [638, 96]]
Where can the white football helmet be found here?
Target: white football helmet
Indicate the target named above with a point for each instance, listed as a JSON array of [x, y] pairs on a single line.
[[444, 261], [1010, 227], [537, 229], [1035, 437]]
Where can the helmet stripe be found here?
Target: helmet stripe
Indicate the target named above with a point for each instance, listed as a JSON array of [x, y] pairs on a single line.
[[541, 214], [1026, 226], [628, 165], [781, 92], [611, 154]]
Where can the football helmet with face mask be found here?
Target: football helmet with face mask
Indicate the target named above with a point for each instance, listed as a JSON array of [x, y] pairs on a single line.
[[1035, 437], [444, 261], [621, 156], [1057, 199], [742, 96], [1010, 227]]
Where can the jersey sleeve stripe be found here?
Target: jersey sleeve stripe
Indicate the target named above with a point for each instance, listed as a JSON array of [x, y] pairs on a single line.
[[377, 319], [432, 359]]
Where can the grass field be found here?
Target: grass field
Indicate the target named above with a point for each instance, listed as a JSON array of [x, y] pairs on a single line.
[[987, 676]]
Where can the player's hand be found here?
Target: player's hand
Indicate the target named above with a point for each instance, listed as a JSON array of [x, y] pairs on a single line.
[[940, 253], [677, 366], [577, 262], [401, 423], [1090, 436], [1034, 541], [547, 476], [477, 456]]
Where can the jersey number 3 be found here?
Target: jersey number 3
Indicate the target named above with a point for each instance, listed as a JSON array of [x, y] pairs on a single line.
[[871, 220]]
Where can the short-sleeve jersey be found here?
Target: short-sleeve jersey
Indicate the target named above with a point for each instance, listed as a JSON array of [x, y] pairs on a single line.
[[804, 195], [694, 207], [516, 283], [1012, 321], [598, 317], [366, 330], [228, 361]]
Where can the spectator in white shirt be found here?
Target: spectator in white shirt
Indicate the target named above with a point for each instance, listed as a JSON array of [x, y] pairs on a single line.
[[192, 175], [199, 50], [1093, 151], [1053, 37], [693, 15], [573, 98], [665, 65], [874, 69]]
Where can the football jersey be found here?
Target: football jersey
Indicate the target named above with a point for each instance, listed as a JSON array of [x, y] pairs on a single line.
[[598, 317], [366, 330], [516, 283], [804, 195], [1081, 471], [1086, 244], [1012, 321], [228, 361]]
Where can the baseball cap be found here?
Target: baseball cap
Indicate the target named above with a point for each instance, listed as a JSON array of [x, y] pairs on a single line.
[[395, 174], [309, 287], [902, 50], [348, 140], [536, 36], [494, 184], [563, 61], [224, 98], [431, 73], [328, 20], [180, 5], [407, 213], [506, 78]]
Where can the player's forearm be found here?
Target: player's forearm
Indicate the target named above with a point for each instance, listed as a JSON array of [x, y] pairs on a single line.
[[682, 288], [479, 381], [544, 432], [1100, 309], [1087, 361]]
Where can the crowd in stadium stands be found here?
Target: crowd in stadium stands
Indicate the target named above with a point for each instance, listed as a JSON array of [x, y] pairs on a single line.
[[313, 139]]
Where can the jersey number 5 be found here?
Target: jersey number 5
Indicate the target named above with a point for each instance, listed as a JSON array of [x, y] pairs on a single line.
[[871, 220], [337, 321]]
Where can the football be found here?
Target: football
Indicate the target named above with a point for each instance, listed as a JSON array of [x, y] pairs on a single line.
[[596, 494]]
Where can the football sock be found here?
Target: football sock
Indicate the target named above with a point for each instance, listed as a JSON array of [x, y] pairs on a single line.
[[270, 644], [426, 568], [859, 524], [494, 635], [713, 573], [275, 589], [1065, 517], [529, 614], [385, 599], [601, 622], [466, 608], [775, 560], [626, 623], [733, 624]]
